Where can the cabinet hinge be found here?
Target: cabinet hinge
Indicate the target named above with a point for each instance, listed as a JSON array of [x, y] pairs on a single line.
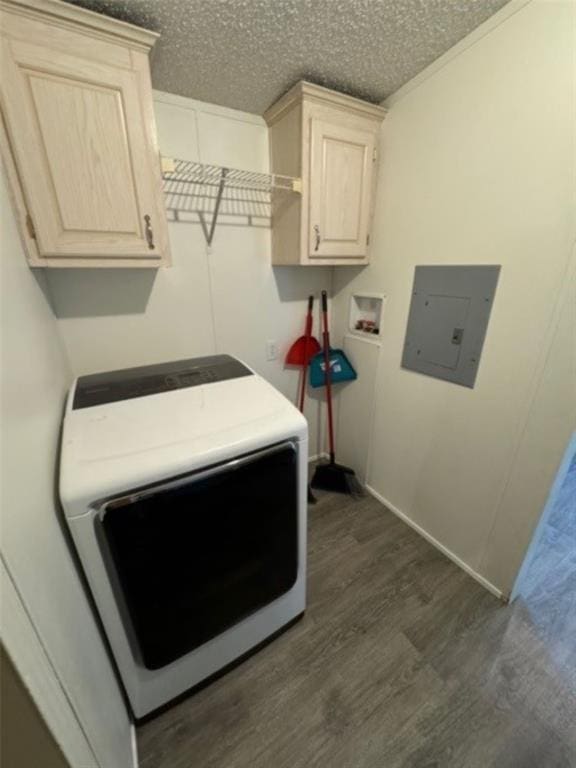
[[367, 239], [374, 154], [30, 226]]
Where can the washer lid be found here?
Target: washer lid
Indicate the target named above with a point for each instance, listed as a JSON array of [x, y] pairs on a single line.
[[128, 383], [143, 438]]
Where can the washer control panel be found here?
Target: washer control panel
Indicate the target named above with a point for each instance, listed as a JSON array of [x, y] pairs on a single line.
[[110, 387]]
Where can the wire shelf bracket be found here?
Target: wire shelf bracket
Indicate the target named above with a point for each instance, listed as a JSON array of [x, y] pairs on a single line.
[[185, 180]]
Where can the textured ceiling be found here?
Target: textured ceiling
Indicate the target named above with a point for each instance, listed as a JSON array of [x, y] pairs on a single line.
[[246, 53]]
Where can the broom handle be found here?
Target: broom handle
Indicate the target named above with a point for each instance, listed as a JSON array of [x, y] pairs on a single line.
[[326, 343], [307, 335]]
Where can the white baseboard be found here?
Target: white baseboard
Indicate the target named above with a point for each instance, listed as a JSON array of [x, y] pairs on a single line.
[[134, 741], [317, 456], [435, 543]]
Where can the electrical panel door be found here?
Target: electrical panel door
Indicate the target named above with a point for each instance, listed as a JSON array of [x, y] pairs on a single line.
[[448, 319]]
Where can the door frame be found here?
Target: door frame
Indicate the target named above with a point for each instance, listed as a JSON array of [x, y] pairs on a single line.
[[24, 646]]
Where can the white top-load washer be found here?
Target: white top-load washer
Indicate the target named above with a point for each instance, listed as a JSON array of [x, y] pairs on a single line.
[[184, 487]]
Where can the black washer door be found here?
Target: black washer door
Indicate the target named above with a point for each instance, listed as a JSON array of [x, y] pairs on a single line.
[[195, 556]]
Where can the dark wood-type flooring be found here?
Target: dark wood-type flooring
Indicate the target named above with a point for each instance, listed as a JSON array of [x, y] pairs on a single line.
[[401, 660]]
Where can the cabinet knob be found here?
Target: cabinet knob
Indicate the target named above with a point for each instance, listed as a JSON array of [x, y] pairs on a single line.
[[317, 231], [149, 232]]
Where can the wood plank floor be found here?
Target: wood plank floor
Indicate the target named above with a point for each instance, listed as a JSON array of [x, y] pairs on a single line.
[[400, 660]]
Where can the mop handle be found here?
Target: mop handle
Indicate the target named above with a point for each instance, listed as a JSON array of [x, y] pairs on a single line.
[[326, 343]]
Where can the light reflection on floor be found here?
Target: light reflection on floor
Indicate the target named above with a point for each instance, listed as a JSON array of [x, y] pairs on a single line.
[[548, 594]]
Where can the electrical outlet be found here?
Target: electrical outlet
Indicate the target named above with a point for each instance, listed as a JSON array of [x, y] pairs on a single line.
[[271, 350]]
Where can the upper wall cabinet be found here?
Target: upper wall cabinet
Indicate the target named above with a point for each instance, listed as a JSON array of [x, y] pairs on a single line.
[[80, 146], [330, 140]]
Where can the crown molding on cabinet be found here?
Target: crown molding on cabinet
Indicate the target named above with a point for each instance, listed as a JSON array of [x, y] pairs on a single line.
[[321, 95], [90, 23]]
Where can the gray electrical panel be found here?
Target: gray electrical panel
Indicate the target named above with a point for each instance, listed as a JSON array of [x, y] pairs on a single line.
[[448, 319]]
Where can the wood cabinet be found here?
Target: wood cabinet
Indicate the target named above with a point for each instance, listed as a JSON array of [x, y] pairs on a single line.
[[80, 145], [330, 141]]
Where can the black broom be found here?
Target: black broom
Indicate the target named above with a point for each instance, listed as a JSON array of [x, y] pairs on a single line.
[[332, 476]]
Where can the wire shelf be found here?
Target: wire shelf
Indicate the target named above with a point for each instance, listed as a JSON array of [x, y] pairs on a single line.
[[197, 188], [184, 172]]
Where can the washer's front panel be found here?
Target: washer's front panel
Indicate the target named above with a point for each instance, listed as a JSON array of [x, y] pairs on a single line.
[[197, 556]]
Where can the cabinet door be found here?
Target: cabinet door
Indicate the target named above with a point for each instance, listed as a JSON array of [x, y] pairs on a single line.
[[341, 164], [83, 154]]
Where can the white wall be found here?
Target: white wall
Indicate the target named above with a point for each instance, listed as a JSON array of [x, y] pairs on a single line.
[[224, 299], [40, 582], [547, 431], [478, 168]]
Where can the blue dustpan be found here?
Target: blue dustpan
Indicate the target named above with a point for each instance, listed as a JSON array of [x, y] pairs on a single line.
[[340, 369]]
